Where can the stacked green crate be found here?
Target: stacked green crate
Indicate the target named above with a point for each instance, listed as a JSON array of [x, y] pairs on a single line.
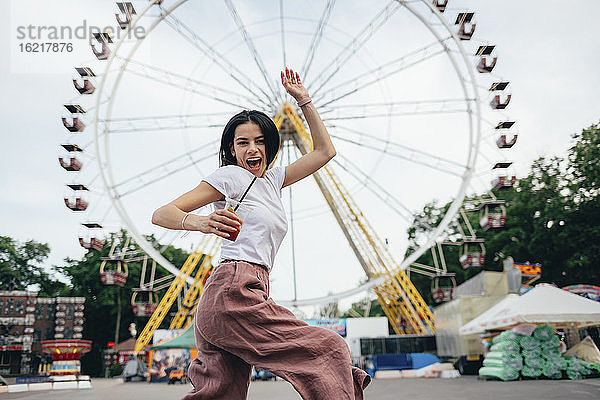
[[577, 368], [533, 356], [552, 361], [531, 350], [504, 360]]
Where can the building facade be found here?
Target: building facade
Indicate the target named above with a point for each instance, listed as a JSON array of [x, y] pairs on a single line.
[[26, 320]]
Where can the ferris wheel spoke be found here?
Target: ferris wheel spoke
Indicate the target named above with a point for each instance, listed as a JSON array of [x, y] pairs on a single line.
[[227, 66], [375, 110], [401, 151], [166, 169], [282, 26], [88, 118], [378, 190], [493, 124], [154, 117], [316, 40], [165, 123], [248, 40], [378, 74], [165, 242], [353, 46], [194, 86], [170, 129]]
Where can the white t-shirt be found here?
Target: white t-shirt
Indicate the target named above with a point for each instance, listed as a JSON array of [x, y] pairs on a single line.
[[265, 226]]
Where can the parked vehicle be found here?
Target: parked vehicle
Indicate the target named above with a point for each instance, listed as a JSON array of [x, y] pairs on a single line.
[[177, 375], [134, 370], [262, 375]]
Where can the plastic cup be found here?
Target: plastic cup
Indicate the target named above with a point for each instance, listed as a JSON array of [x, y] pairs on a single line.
[[239, 209]]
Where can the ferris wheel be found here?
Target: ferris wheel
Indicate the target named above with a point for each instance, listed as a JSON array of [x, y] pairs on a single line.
[[405, 88]]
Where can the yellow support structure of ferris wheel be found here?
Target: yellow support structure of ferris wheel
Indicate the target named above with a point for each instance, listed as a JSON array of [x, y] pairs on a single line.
[[399, 298], [204, 250], [185, 314]]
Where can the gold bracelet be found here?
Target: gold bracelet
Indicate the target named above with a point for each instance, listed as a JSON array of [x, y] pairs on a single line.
[[304, 101], [183, 221]]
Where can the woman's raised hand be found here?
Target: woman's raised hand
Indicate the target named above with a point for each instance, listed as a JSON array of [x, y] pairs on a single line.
[[292, 84]]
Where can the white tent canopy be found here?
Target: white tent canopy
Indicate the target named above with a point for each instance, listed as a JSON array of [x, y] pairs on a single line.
[[542, 304], [479, 324]]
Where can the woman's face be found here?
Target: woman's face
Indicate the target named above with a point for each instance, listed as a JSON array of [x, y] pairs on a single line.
[[249, 148]]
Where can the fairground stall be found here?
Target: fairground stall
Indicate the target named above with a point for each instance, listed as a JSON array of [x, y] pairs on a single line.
[[168, 361], [537, 335]]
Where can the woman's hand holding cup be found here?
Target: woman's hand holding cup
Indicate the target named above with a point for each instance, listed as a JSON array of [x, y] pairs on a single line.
[[221, 222]]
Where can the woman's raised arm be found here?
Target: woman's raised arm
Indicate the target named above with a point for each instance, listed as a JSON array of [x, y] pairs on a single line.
[[323, 149]]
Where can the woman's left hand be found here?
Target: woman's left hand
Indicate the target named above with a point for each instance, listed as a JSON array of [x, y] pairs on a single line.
[[291, 82]]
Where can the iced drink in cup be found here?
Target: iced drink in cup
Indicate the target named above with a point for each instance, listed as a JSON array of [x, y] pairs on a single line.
[[239, 209]]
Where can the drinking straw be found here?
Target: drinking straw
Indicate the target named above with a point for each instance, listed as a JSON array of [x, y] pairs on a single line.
[[244, 195]]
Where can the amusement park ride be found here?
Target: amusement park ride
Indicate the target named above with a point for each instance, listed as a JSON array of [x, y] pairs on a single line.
[[387, 275]]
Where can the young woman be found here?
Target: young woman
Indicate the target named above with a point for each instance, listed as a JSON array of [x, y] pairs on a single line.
[[236, 324]]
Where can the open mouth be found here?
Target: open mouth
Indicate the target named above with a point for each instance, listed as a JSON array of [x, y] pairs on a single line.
[[254, 162]]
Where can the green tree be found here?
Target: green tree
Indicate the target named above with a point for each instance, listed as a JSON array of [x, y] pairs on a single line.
[[21, 267], [330, 310], [584, 169], [580, 227]]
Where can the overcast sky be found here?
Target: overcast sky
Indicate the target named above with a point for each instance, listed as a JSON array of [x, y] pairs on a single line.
[[551, 65]]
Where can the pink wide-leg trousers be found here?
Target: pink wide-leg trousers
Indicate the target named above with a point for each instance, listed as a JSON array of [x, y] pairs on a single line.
[[237, 325]]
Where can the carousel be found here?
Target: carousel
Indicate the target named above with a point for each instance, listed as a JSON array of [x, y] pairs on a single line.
[[66, 354]]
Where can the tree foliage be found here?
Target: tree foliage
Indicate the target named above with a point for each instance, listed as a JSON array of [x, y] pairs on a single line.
[[583, 169], [21, 267]]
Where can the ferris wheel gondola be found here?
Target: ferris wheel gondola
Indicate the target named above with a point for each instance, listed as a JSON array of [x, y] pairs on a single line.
[[87, 75], [144, 300], [504, 182], [92, 238], [492, 214], [487, 60], [440, 5], [126, 10], [76, 200], [75, 124], [505, 130], [466, 25], [501, 95], [442, 287], [113, 269], [472, 253], [70, 162], [102, 38]]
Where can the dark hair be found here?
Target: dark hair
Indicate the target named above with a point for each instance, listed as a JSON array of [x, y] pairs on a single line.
[[267, 127]]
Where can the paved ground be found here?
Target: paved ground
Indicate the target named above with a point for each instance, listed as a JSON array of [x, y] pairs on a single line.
[[464, 388]]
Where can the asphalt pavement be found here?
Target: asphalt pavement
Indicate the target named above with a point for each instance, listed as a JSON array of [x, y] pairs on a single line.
[[463, 388]]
